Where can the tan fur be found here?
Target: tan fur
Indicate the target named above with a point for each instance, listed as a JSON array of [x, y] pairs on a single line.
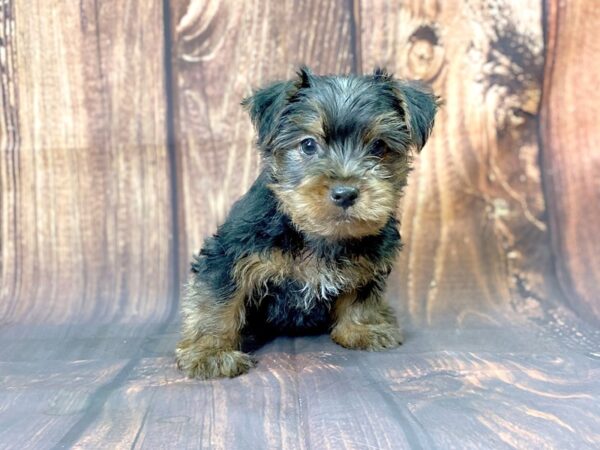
[[211, 337], [310, 209], [312, 124], [380, 124], [254, 270], [210, 341], [364, 325]]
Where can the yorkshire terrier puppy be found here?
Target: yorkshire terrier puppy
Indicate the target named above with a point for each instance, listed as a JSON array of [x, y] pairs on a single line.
[[309, 247]]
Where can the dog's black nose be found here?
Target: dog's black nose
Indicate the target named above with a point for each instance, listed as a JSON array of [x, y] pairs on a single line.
[[344, 196]]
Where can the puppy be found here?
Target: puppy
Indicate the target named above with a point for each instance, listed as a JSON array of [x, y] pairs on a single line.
[[309, 247]]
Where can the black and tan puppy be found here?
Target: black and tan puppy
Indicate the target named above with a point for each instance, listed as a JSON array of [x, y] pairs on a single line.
[[309, 247]]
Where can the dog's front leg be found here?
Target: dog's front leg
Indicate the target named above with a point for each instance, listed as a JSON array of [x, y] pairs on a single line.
[[211, 334], [364, 321]]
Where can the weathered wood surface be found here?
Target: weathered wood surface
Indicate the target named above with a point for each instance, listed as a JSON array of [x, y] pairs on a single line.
[[476, 192], [223, 49], [484, 387], [86, 230], [98, 214], [571, 156]]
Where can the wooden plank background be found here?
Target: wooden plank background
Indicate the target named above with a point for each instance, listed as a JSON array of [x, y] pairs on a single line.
[[100, 214], [123, 144], [476, 191], [571, 149], [86, 218]]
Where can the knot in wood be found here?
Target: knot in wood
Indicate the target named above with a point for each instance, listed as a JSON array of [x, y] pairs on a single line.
[[425, 54]]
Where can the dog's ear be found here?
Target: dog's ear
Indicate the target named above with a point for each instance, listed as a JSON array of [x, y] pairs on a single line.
[[266, 104], [305, 77], [381, 74], [419, 106]]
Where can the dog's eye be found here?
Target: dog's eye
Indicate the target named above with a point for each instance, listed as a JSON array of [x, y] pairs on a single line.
[[378, 148], [309, 146]]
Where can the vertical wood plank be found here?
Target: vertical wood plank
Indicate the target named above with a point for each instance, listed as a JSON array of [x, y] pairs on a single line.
[[476, 241], [223, 50], [571, 156], [86, 219]]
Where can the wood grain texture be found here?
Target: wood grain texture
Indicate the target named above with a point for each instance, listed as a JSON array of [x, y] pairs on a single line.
[[223, 49], [485, 387], [476, 242], [492, 359], [571, 156], [85, 227]]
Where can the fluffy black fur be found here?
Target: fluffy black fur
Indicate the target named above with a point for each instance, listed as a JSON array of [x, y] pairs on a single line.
[[278, 110], [293, 256], [256, 225]]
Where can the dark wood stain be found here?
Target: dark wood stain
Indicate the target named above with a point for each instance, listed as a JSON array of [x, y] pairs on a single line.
[[570, 163]]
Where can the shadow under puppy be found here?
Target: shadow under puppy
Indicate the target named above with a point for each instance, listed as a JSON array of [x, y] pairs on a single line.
[[309, 247]]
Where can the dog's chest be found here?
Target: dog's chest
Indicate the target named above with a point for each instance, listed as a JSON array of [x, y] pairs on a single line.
[[316, 276], [302, 281], [298, 298], [298, 291], [318, 280]]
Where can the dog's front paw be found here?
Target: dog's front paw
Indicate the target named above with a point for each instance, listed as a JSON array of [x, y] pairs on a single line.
[[373, 337], [206, 363]]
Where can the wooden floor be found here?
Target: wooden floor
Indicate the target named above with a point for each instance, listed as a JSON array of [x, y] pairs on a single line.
[[122, 145], [516, 383]]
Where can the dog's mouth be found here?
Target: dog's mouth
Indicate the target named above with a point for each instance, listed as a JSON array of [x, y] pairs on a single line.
[[312, 210], [347, 223], [347, 218], [359, 212], [343, 216], [342, 224]]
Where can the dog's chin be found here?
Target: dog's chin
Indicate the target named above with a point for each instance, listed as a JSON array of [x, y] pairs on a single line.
[[342, 227], [321, 219]]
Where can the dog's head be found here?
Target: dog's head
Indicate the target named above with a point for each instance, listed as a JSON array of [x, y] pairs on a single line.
[[339, 147]]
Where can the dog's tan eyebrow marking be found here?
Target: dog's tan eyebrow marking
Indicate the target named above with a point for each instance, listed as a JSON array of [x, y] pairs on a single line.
[[383, 124], [311, 125]]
